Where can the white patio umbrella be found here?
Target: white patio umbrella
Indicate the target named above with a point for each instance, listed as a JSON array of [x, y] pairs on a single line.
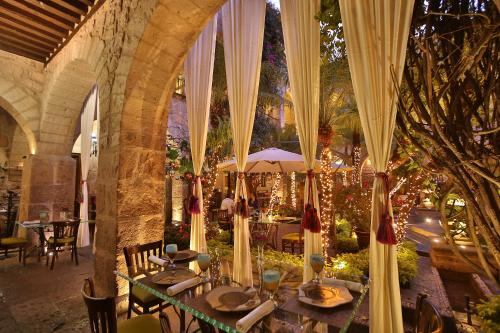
[[275, 160]]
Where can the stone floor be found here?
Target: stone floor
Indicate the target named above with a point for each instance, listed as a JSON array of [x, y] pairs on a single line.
[[35, 299]]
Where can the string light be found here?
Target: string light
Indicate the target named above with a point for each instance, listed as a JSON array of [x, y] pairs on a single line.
[[293, 190], [211, 175], [274, 194], [356, 172], [414, 182], [344, 178], [327, 185]]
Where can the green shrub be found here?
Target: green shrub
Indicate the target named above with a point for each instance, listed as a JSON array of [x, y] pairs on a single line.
[[407, 262], [489, 313], [347, 266], [344, 228], [347, 244]]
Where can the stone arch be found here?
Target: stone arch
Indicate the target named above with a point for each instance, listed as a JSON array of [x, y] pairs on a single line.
[[63, 103], [131, 175], [27, 116]]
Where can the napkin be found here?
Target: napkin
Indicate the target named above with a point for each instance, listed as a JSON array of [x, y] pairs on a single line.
[[246, 323], [31, 222], [354, 286], [177, 288], [156, 260]]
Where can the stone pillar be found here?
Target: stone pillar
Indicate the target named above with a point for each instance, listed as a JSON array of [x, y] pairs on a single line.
[[48, 184]]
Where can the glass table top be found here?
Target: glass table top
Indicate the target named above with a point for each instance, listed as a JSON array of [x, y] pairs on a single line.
[[291, 315]]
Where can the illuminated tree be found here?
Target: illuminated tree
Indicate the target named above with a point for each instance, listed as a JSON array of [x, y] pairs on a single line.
[[449, 111]]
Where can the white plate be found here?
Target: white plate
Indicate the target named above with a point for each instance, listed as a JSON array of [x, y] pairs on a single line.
[[220, 297], [332, 295]]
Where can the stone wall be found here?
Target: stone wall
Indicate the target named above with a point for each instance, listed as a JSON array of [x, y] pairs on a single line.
[[48, 185], [133, 49]]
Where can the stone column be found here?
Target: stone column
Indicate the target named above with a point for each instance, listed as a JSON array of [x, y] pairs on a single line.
[[48, 184]]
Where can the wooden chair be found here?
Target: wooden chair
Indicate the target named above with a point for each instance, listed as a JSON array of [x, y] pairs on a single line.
[[102, 315], [65, 234], [9, 243], [225, 221], [292, 241], [427, 317], [136, 257]]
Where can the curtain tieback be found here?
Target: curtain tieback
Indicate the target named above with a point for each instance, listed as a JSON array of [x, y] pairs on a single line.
[[194, 201], [310, 220], [241, 206], [385, 232]]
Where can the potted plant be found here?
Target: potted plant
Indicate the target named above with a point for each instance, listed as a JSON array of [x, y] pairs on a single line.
[[353, 203]]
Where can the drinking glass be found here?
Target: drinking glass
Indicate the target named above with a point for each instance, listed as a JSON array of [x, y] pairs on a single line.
[[171, 251], [317, 264], [270, 282], [203, 260]]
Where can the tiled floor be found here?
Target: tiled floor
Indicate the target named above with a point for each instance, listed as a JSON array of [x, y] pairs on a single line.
[[35, 299]]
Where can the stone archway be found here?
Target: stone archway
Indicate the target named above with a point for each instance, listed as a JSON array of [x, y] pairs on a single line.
[[62, 106], [26, 116], [131, 175]]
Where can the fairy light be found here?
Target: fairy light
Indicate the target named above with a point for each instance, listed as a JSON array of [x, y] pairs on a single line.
[[414, 183], [326, 178], [356, 172], [210, 178], [293, 190], [344, 178], [274, 194]]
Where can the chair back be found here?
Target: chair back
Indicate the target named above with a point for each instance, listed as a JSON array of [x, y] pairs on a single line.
[[136, 257], [427, 317], [102, 311], [223, 215], [165, 323], [65, 229]]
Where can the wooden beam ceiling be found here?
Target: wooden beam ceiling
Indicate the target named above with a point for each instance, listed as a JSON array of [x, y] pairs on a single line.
[[39, 29]]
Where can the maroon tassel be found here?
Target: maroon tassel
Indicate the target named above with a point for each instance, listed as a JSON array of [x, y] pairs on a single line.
[[241, 208], [305, 219], [310, 220], [315, 223], [385, 232], [194, 205]]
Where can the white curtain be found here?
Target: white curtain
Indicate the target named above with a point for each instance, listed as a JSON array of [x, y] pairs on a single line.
[[302, 41], [243, 31], [198, 69], [90, 109], [376, 33]]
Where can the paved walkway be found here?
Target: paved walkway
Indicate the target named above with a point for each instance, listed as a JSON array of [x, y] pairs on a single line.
[[34, 299]]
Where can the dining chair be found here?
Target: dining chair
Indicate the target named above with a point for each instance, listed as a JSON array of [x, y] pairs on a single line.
[[293, 241], [427, 317], [102, 315], [65, 235], [9, 243], [136, 257], [225, 221]]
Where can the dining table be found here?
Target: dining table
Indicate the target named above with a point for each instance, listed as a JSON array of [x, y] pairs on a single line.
[[270, 227], [289, 315], [40, 228]]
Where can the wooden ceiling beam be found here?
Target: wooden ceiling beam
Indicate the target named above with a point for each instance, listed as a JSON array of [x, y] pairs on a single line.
[[20, 52], [91, 12], [71, 6], [27, 49], [23, 34], [28, 30], [35, 12], [48, 6], [25, 43], [13, 16], [25, 39]]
